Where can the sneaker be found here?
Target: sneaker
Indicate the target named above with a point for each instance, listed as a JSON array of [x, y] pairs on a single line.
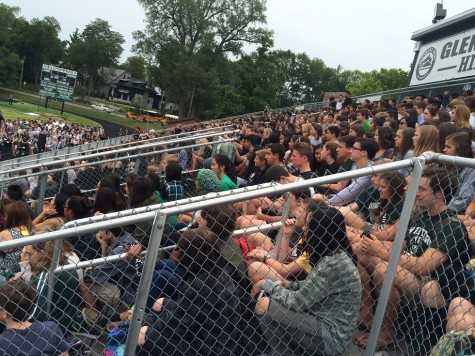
[[80, 328]]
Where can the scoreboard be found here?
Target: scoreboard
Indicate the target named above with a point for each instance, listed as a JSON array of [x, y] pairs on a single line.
[[57, 83]]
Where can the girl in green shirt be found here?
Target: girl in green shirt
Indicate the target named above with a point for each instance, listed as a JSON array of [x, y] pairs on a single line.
[[225, 170]]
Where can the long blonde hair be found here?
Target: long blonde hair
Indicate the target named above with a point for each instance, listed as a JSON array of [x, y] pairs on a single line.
[[47, 249], [428, 140], [306, 128], [462, 116]]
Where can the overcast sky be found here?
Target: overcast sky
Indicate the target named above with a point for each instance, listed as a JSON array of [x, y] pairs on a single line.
[[364, 35]]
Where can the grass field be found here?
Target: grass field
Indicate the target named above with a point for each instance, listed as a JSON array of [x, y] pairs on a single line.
[[76, 109], [24, 111]]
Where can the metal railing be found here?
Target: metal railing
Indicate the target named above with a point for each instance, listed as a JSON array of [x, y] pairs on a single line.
[[157, 215]]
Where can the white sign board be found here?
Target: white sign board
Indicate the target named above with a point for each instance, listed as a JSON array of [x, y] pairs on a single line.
[[450, 58]]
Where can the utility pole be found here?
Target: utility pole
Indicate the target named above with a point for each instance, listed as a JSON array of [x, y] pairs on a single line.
[[21, 75]]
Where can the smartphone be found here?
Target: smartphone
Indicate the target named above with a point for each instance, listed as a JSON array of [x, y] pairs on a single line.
[[366, 233]]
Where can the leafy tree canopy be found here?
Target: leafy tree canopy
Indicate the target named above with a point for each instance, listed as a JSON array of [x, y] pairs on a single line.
[[96, 47], [187, 38]]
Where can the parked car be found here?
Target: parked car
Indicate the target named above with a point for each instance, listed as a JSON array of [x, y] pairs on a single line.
[[101, 107]]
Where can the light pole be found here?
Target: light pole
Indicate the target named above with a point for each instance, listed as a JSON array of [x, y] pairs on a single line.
[[21, 75]]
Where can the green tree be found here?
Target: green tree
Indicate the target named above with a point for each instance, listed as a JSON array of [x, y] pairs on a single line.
[[188, 39], [138, 104], [10, 63], [359, 83], [135, 65], [38, 43], [96, 47], [9, 67]]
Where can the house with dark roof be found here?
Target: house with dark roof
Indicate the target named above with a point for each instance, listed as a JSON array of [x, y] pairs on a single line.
[[124, 90], [111, 77]]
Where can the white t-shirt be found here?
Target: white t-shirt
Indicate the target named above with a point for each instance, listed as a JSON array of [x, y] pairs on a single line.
[[472, 120]]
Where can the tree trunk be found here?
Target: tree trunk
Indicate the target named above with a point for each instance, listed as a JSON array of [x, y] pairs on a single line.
[[182, 107], [89, 87]]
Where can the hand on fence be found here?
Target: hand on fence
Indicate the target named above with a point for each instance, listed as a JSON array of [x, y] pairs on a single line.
[[262, 305]]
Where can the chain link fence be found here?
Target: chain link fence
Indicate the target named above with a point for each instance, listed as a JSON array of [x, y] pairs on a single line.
[[43, 181], [106, 145], [259, 269]]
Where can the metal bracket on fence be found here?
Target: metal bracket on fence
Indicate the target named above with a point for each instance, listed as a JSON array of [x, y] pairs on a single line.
[[398, 244], [145, 281]]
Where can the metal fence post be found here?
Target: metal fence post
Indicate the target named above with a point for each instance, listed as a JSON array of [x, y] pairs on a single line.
[[145, 281], [41, 197], [138, 160], [285, 216], [52, 278], [406, 214]]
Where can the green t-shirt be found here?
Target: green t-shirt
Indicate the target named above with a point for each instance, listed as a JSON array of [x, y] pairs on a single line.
[[227, 184], [390, 215], [366, 126], [368, 200], [440, 232], [345, 167], [233, 255], [66, 299]]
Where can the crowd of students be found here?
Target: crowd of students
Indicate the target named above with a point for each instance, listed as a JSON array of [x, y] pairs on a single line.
[[23, 137], [303, 290]]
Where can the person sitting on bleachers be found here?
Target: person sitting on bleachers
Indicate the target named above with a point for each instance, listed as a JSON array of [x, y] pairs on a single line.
[[459, 144], [362, 153], [317, 315], [142, 194], [14, 193], [17, 299], [110, 287], [173, 187], [18, 225], [288, 260], [205, 316], [258, 172], [65, 295], [435, 252], [85, 245], [224, 169]]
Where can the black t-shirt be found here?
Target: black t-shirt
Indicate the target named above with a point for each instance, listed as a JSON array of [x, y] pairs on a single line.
[[327, 169], [257, 176]]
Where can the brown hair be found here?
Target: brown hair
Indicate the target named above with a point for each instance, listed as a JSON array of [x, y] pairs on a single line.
[[18, 298], [47, 249], [17, 215], [428, 141], [462, 116], [304, 149]]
